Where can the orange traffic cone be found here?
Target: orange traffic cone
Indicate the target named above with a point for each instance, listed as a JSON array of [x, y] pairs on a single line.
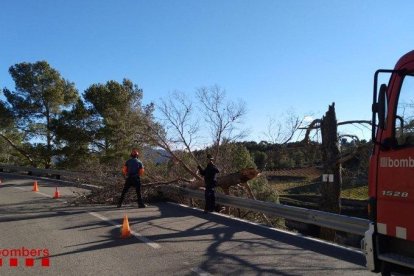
[[125, 230], [35, 188], [57, 195]]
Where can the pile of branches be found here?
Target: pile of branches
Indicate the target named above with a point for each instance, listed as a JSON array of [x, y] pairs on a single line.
[[110, 192]]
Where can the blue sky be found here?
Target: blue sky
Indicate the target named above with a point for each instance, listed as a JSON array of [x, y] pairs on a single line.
[[275, 55]]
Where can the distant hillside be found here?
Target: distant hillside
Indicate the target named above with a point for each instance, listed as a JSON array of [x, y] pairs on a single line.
[[156, 155]]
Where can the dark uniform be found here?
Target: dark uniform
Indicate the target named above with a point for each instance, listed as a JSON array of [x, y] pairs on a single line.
[[132, 170], [210, 180]]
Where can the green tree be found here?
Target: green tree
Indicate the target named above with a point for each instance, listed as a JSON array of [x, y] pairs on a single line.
[[11, 137], [118, 114], [234, 157], [260, 159], [6, 118], [40, 95], [74, 134]]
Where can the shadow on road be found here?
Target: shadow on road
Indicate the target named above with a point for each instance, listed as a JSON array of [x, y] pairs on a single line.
[[227, 253]]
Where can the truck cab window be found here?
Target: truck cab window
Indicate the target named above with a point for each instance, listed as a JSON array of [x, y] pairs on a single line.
[[404, 120]]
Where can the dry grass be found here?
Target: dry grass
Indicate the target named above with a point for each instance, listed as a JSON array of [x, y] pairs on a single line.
[[305, 181], [360, 193]]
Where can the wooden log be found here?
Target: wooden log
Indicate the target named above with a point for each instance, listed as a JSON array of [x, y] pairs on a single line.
[[228, 180]]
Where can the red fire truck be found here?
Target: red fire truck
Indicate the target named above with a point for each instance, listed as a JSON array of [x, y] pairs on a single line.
[[389, 242]]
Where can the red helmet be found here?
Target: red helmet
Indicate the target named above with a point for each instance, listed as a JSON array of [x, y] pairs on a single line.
[[134, 153]]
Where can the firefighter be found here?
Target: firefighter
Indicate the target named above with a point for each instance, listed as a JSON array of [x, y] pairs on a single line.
[[132, 170], [210, 181]]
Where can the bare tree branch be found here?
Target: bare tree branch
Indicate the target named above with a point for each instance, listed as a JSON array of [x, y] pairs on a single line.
[[19, 149], [282, 133], [353, 137], [155, 135], [222, 117], [355, 122], [177, 112], [315, 124], [351, 155]]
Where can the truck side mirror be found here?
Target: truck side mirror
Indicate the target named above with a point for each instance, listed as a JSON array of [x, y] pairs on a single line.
[[382, 105]]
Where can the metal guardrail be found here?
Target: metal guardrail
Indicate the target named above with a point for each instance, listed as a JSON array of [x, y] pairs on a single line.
[[343, 223], [36, 171], [316, 198], [68, 176]]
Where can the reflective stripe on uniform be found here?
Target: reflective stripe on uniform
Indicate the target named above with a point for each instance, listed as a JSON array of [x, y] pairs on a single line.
[[382, 228], [401, 232]]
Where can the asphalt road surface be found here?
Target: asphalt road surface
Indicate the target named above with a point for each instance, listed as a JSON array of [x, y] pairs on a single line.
[[41, 235]]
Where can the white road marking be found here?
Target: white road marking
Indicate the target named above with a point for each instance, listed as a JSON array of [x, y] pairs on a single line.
[[40, 193], [200, 272], [137, 235], [197, 270]]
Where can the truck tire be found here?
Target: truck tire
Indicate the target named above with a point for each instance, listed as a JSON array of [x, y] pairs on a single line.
[[385, 269]]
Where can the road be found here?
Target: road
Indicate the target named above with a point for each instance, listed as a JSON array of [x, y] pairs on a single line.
[[168, 239]]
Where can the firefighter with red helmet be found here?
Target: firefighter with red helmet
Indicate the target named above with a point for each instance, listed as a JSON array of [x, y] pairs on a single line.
[[133, 170]]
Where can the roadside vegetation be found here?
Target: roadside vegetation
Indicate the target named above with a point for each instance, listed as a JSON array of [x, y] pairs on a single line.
[[46, 122]]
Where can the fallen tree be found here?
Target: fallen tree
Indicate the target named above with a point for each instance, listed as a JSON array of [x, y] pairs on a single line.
[[177, 135], [109, 193], [226, 181]]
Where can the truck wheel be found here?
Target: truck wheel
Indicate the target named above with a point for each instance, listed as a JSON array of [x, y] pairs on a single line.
[[385, 269]]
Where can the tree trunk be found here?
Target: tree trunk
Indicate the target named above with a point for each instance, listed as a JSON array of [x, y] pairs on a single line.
[[228, 180], [48, 157], [20, 150], [330, 186]]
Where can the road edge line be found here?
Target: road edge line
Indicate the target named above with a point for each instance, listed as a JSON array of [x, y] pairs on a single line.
[[135, 234]]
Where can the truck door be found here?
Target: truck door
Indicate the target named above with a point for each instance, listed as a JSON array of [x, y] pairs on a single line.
[[395, 181]]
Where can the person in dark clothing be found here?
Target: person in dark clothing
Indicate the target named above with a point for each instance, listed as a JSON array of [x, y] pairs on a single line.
[[133, 170], [210, 181]]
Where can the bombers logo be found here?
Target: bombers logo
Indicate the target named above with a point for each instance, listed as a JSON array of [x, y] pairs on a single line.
[[388, 162], [14, 256]]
